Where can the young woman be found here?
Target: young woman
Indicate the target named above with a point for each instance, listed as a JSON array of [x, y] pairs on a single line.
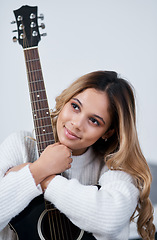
[[94, 126]]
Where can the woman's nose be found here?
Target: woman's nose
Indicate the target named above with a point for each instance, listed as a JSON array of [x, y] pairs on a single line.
[[78, 122]]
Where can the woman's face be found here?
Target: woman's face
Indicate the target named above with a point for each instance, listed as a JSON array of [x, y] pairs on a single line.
[[83, 120]]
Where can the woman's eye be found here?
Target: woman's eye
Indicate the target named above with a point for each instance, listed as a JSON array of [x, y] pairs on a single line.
[[75, 106], [93, 120]]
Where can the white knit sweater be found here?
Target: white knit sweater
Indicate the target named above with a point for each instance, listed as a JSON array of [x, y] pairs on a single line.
[[105, 212]]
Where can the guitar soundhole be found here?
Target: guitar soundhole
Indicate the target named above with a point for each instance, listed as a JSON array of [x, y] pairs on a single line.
[[54, 225]]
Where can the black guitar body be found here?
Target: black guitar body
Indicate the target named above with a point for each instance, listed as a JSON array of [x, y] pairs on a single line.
[[34, 222]]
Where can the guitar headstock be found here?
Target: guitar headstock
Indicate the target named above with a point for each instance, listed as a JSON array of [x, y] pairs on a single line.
[[27, 26]]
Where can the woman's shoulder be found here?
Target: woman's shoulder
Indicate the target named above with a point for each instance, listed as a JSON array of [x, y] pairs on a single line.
[[16, 136], [19, 135], [17, 148], [19, 139], [115, 175], [119, 180]]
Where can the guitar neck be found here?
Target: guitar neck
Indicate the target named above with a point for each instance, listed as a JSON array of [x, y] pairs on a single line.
[[39, 103]]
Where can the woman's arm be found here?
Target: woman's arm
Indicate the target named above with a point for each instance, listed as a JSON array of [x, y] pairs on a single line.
[[17, 188], [103, 212]]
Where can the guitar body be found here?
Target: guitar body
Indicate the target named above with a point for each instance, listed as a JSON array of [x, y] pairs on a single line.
[[39, 220], [33, 223]]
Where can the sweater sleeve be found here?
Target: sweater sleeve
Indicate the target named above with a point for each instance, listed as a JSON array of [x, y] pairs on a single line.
[[17, 189], [102, 212]]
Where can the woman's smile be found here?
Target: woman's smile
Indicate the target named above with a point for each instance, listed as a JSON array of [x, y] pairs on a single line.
[[70, 135]]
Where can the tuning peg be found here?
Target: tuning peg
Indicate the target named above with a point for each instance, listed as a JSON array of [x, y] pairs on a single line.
[[43, 34], [13, 22], [15, 39], [42, 25], [14, 31], [41, 16]]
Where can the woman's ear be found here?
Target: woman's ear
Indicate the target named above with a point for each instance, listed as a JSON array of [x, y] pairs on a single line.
[[108, 134]]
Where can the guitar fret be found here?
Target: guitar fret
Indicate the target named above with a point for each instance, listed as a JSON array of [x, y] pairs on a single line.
[[43, 138], [37, 87], [44, 126], [42, 90], [47, 141], [32, 60], [39, 105], [40, 131], [36, 119], [38, 95], [41, 109], [44, 130], [37, 70], [44, 134], [36, 81], [40, 100]]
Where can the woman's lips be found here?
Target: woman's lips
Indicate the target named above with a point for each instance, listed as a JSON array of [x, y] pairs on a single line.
[[70, 134]]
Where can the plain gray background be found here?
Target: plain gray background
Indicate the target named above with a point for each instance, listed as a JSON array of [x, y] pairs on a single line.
[[83, 36]]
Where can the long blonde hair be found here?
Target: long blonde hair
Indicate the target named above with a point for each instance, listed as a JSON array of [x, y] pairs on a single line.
[[122, 150]]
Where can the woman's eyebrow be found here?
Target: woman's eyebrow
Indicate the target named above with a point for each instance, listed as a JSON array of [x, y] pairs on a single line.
[[76, 99], [97, 116]]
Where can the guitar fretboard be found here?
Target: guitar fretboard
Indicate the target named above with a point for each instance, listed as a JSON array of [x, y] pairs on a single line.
[[39, 103]]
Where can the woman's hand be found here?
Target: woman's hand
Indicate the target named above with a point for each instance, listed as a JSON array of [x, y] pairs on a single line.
[[56, 158]]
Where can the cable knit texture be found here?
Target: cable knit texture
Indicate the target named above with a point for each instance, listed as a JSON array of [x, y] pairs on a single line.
[[104, 212]]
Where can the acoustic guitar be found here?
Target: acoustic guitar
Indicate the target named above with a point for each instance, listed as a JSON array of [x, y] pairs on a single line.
[[40, 219]]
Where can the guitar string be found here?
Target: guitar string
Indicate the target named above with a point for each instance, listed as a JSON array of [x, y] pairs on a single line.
[[68, 224], [60, 232]]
